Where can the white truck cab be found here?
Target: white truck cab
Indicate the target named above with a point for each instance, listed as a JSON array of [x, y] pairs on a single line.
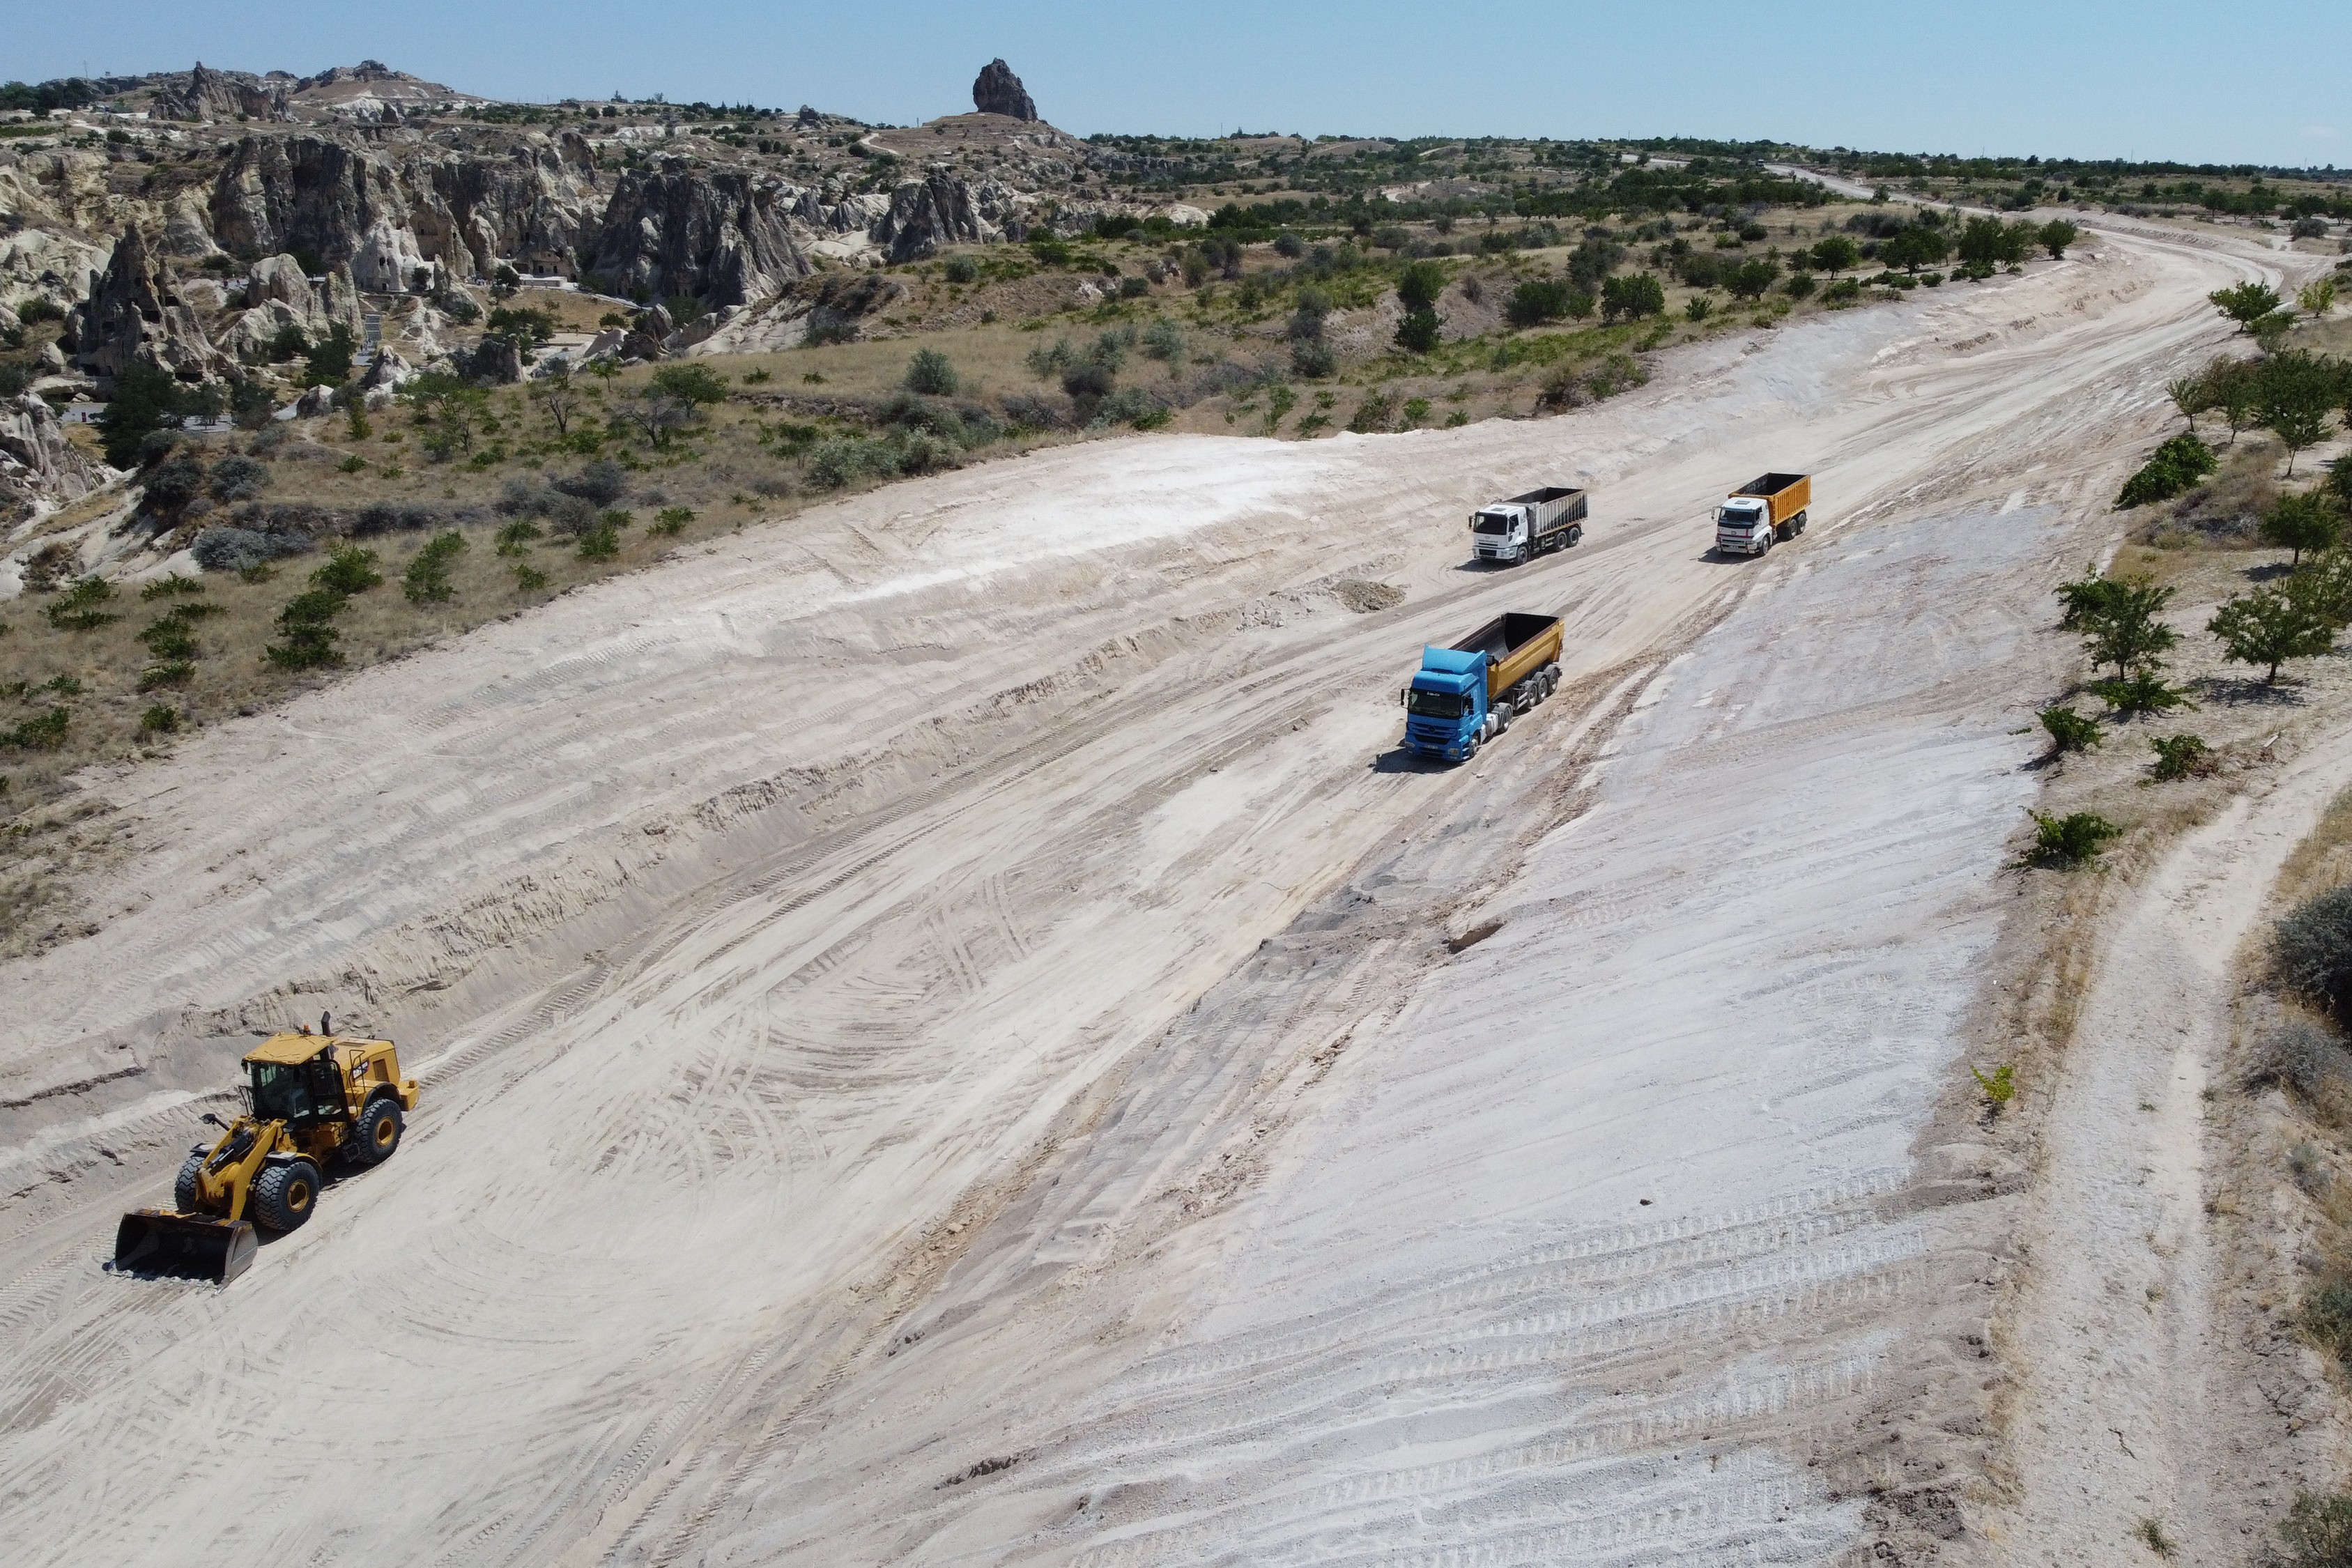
[[1743, 526]]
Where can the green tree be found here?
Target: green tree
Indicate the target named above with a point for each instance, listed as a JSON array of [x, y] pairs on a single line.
[[1418, 287], [1632, 294], [2236, 393], [2056, 234], [2269, 626], [1749, 279], [145, 400], [2123, 630], [2299, 522], [1836, 254], [330, 360], [2245, 303], [1914, 248], [2297, 395], [2192, 395], [691, 382], [2318, 297]]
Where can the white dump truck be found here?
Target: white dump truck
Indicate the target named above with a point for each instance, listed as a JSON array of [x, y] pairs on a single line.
[[1524, 526]]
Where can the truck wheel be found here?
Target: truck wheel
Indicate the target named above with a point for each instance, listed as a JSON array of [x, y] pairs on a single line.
[[1798, 526], [284, 1196], [1576, 535], [184, 1190], [376, 1133]]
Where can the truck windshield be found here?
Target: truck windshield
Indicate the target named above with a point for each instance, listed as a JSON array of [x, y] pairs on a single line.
[[1436, 704], [1492, 522], [1740, 518]]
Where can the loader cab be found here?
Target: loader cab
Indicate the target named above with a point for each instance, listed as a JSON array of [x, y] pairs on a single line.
[[296, 1078]]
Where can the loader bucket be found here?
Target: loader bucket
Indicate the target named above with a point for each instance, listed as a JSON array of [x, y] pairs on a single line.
[[184, 1246]]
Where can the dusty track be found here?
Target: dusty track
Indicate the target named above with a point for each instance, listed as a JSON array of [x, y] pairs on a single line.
[[898, 844]]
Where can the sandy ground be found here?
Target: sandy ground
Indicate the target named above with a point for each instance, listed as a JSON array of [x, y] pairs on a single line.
[[939, 1044], [2141, 1392]]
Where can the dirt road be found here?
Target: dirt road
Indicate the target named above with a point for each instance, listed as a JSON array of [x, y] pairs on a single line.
[[849, 972]]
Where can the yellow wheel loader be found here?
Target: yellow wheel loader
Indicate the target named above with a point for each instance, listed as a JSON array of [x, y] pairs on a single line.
[[316, 1099]]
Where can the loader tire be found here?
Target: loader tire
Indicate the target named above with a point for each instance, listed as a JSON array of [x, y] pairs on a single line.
[[284, 1196], [376, 1133], [184, 1190]]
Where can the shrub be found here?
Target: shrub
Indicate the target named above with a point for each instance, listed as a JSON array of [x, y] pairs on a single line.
[[2318, 1529], [177, 481], [960, 269], [600, 483], [1535, 301], [44, 731], [160, 720], [1417, 333], [1748, 280], [1999, 1086], [2181, 756], [1697, 308], [1799, 286], [845, 460], [671, 521], [2070, 730], [602, 541], [76, 610], [1617, 373], [427, 579], [2174, 467], [529, 579], [169, 640], [931, 374], [349, 570], [1313, 359], [2312, 951], [1375, 413], [226, 549], [1416, 409], [1844, 291], [306, 632], [2075, 839], [2142, 693], [156, 676], [169, 585], [515, 537], [1162, 340]]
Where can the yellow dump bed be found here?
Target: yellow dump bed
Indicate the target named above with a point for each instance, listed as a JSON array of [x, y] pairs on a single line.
[[1784, 495], [1516, 645]]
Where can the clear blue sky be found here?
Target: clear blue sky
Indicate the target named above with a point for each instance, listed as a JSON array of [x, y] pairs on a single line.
[[2209, 83]]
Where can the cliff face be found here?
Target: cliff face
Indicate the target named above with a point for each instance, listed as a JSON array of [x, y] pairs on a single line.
[[719, 234], [343, 205]]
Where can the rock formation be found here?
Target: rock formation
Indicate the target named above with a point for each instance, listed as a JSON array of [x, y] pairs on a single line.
[[278, 294], [999, 91], [37, 462], [719, 234], [221, 95], [926, 214], [130, 318]]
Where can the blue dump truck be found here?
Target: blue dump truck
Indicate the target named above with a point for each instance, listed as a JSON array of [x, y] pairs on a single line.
[[1463, 696]]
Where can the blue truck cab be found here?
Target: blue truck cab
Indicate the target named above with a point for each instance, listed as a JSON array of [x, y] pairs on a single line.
[[1445, 705], [1465, 696]]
